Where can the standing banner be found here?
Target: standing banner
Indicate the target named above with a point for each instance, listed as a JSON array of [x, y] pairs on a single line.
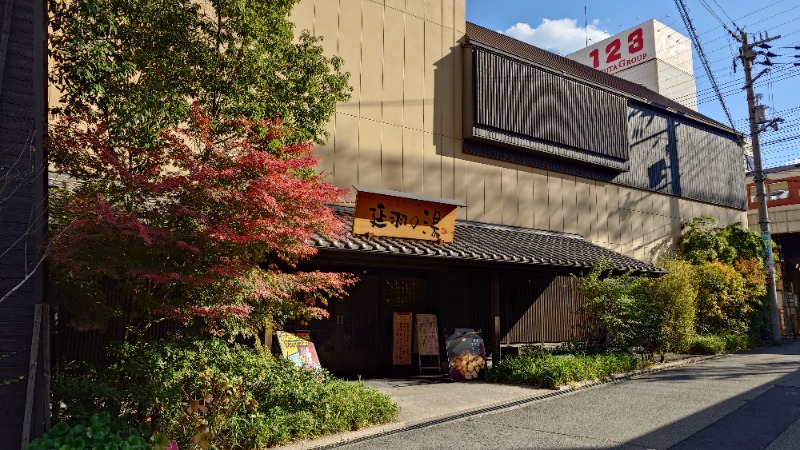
[[401, 338], [427, 335], [428, 341], [299, 349]]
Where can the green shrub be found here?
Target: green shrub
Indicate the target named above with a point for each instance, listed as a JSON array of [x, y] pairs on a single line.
[[541, 368], [95, 432], [208, 392], [613, 307], [755, 282], [760, 330], [722, 306], [703, 240], [707, 345], [674, 295], [735, 341]]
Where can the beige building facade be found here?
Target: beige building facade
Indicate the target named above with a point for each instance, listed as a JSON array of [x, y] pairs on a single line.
[[402, 130], [783, 200], [782, 188]]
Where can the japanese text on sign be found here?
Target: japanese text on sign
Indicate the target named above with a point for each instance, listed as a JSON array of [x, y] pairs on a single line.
[[401, 342], [427, 334], [400, 217]]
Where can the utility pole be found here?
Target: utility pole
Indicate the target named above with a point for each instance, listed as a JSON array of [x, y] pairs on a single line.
[[748, 55]]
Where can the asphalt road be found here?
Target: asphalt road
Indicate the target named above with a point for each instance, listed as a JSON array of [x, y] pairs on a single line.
[[743, 401]]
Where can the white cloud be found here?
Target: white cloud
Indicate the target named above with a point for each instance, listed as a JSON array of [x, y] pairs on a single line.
[[560, 35]]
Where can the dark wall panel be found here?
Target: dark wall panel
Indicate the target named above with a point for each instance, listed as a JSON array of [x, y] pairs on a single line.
[[22, 210], [669, 155], [539, 308], [518, 112], [677, 156], [526, 101], [461, 300]]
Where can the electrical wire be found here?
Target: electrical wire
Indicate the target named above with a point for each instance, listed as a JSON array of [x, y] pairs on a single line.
[[684, 12]]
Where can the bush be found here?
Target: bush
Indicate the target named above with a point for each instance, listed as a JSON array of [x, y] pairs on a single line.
[[721, 303], [760, 330], [732, 282], [208, 392], [703, 240], [707, 345], [623, 313], [735, 341], [97, 431], [674, 296], [543, 369], [755, 289], [613, 307]]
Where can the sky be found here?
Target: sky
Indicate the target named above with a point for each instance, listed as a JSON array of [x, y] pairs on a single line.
[[561, 27]]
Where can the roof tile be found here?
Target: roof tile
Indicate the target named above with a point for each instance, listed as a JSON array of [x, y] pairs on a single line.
[[481, 242]]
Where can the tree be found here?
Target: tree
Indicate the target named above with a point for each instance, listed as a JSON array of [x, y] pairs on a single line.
[[132, 64], [189, 128], [616, 307], [674, 294], [702, 241]]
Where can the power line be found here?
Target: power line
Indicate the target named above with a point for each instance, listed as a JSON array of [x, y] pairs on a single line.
[[781, 14], [684, 12], [726, 14]]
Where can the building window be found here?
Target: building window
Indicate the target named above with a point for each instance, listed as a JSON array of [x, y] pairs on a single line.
[[775, 191]]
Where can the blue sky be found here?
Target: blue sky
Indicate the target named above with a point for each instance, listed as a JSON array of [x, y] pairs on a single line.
[[558, 26]]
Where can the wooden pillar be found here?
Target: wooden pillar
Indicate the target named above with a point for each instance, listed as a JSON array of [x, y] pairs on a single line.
[[494, 298]]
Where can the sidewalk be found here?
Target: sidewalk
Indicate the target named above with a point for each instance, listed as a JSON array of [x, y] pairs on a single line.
[[423, 400]]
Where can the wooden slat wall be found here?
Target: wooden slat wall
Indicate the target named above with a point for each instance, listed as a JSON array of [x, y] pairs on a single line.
[[676, 156], [461, 300], [668, 155], [518, 108], [539, 308]]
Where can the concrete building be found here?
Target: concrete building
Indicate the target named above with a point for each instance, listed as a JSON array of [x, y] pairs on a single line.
[[783, 206], [558, 164], [651, 54]]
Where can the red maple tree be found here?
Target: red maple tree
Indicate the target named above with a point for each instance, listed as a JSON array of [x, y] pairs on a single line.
[[205, 224]]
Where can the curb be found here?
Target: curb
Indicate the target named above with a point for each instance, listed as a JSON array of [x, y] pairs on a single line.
[[391, 429]]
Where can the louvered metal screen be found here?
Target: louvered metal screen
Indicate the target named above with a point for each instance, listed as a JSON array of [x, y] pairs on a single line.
[[668, 154], [522, 99]]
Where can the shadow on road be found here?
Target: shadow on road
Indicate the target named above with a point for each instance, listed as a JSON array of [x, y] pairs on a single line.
[[751, 420]]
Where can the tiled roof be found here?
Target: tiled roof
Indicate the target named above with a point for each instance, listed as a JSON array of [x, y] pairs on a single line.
[[480, 242], [493, 39]]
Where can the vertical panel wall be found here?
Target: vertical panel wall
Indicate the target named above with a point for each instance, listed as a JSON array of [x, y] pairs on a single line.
[[23, 220], [398, 131], [539, 308], [405, 133]]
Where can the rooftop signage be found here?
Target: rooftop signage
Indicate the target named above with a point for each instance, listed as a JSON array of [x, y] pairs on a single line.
[[650, 40]]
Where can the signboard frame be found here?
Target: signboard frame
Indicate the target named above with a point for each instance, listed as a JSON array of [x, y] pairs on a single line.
[[387, 213], [427, 335]]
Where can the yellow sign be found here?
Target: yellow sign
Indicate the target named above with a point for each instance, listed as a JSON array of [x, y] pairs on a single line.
[[384, 215], [299, 349]]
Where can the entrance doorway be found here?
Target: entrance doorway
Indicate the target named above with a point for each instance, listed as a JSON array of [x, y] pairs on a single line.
[[399, 294], [357, 338]]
